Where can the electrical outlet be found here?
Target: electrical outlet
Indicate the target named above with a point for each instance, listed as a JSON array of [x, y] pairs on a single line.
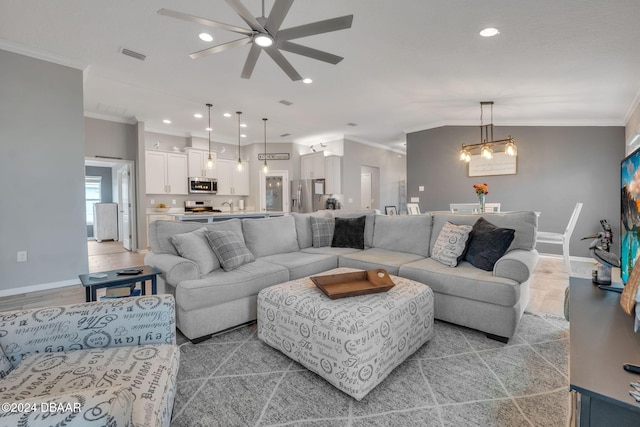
[[22, 256], [173, 202], [153, 202], [350, 200]]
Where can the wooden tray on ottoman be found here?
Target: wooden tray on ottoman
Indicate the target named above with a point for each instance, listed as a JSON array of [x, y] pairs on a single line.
[[352, 284]]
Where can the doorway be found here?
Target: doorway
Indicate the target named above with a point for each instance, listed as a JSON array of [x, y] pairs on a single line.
[[116, 185], [369, 187], [274, 191]]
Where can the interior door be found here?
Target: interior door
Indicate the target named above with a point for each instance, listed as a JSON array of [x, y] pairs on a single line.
[[124, 175], [365, 191]]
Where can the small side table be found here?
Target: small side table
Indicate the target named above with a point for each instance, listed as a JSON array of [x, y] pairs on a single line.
[[114, 279]]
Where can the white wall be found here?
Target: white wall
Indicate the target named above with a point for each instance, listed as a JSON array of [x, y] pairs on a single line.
[[41, 174]]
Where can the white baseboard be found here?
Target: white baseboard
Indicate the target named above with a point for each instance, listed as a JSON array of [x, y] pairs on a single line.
[[572, 258], [40, 287]]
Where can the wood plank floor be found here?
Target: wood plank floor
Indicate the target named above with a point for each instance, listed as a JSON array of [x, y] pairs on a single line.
[[106, 255]]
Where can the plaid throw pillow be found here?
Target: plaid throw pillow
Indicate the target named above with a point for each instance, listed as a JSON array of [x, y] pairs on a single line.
[[229, 248], [322, 231]]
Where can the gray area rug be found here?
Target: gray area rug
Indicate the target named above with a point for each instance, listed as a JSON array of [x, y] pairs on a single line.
[[460, 378]]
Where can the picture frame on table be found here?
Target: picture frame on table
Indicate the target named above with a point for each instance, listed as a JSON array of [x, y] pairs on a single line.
[[413, 209], [390, 210]]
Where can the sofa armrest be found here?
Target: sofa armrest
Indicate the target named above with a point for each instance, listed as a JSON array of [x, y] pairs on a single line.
[[174, 269], [119, 322], [517, 264]]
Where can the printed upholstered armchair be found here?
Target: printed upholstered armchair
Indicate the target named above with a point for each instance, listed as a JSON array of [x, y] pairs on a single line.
[[109, 363]]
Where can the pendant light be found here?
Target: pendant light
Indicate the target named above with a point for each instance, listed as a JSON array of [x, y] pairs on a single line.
[[209, 159], [239, 113], [265, 168], [487, 142]]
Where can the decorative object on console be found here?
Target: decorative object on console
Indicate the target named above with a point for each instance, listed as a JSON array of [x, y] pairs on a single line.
[[390, 210], [264, 33], [451, 243], [413, 209], [265, 168], [487, 244], [486, 140], [349, 232], [481, 191]]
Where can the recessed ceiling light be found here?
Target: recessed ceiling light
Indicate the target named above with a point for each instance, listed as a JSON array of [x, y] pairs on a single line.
[[227, 114], [205, 37], [242, 135], [197, 115], [307, 80], [208, 129], [166, 121], [243, 125], [489, 32]]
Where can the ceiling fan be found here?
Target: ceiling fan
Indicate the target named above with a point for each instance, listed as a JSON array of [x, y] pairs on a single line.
[[265, 34]]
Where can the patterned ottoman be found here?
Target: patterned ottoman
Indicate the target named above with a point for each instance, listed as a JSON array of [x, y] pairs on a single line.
[[353, 343]]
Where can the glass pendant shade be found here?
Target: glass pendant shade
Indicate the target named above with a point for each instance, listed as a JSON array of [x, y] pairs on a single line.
[[265, 168], [209, 159], [510, 149], [239, 113]]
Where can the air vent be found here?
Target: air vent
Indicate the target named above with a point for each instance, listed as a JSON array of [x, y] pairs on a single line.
[[285, 134], [285, 102], [352, 124], [133, 54]]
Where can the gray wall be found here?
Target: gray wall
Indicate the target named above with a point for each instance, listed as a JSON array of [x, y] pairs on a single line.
[[110, 139], [392, 167], [41, 174], [557, 167]]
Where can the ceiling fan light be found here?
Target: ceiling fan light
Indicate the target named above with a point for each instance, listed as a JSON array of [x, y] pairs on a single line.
[[263, 40]]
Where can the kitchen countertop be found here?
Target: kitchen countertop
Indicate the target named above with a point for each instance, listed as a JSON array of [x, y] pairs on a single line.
[[213, 216]]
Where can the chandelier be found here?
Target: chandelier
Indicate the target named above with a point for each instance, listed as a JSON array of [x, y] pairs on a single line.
[[485, 147]]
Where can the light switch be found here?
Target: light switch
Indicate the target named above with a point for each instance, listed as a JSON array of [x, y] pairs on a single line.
[[421, 188]]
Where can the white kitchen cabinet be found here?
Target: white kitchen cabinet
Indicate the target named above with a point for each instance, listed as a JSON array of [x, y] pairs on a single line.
[[333, 175], [312, 166], [231, 181], [166, 173], [198, 163]]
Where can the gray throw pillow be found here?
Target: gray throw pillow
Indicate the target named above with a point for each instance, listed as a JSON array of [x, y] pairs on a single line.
[[349, 233], [322, 231], [451, 243], [487, 244], [229, 248], [195, 246]]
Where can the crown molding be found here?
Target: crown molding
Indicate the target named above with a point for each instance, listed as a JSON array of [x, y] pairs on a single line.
[[42, 55]]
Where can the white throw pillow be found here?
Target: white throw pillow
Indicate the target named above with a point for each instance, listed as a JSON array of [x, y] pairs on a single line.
[[195, 246], [451, 243]]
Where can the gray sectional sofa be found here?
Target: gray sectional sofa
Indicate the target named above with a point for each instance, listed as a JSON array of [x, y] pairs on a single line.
[[209, 299]]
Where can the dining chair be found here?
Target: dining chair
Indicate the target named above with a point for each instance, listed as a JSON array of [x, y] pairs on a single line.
[[492, 207], [562, 238]]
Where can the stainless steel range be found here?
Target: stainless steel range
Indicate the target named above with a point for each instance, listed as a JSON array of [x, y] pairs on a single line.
[[192, 207]]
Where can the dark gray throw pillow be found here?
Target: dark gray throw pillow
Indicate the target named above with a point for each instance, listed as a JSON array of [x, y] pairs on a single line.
[[229, 248], [349, 233], [322, 231], [487, 243]]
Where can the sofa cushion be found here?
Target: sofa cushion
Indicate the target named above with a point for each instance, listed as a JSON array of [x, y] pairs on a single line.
[[269, 236], [465, 281], [160, 233], [111, 406], [406, 233], [349, 233], [220, 287], [322, 231], [369, 223], [195, 246], [373, 258], [150, 371], [302, 264], [451, 243], [229, 248], [487, 243], [524, 223], [328, 250]]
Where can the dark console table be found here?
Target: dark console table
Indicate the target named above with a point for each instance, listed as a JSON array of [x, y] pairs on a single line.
[[602, 340], [112, 279]]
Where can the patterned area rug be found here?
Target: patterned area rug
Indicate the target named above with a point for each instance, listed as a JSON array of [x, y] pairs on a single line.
[[460, 378]]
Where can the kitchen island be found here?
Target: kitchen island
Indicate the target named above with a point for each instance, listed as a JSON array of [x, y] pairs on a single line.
[[221, 216]]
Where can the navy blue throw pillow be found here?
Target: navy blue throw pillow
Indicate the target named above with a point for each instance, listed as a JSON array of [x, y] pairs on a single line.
[[487, 243], [349, 233]]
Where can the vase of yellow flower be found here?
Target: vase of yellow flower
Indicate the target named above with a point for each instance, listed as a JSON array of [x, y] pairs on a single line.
[[481, 190]]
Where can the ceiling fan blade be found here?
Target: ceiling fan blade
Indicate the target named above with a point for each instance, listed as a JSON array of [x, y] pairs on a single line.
[[220, 48], [320, 55], [319, 27], [203, 21], [250, 63], [282, 62], [277, 15], [246, 16]]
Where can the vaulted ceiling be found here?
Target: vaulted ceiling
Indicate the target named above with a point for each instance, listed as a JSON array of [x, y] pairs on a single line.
[[409, 65]]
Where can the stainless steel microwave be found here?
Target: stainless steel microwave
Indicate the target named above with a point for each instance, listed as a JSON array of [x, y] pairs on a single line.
[[202, 185]]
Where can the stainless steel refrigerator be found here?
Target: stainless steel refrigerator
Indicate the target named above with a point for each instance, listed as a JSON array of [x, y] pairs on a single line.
[[307, 195]]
